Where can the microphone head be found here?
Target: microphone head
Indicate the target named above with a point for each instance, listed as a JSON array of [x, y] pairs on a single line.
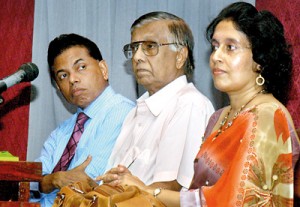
[[31, 71]]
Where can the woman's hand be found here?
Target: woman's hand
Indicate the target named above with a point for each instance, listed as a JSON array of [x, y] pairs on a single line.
[[120, 175]]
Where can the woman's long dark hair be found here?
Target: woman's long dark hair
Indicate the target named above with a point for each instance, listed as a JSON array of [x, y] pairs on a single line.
[[269, 47]]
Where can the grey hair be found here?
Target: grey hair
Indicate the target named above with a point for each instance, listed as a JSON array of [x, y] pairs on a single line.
[[180, 31]]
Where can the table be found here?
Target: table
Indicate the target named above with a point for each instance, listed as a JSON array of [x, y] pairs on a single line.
[[15, 178]]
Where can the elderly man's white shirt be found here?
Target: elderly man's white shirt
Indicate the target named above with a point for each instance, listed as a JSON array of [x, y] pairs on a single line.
[[162, 134]]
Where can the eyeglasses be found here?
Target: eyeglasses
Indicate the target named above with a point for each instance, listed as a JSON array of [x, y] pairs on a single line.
[[149, 48]]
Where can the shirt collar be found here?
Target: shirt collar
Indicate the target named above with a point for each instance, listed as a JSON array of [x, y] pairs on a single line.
[[161, 98]]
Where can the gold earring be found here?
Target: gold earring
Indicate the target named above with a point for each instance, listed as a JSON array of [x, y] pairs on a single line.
[[260, 80]]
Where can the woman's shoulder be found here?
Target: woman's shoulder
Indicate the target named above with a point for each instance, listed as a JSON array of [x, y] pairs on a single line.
[[272, 108], [267, 103], [269, 106]]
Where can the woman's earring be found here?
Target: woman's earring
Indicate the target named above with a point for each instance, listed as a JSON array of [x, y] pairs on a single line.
[[260, 80]]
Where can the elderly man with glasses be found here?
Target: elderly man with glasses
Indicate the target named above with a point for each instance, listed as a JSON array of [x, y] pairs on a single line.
[[160, 136]]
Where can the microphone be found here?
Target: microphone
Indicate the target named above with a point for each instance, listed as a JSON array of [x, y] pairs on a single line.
[[26, 73]]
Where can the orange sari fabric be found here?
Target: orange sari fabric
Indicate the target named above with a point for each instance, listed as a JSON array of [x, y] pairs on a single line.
[[249, 163]]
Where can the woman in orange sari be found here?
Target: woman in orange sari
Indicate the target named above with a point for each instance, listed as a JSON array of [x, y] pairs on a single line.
[[250, 147]]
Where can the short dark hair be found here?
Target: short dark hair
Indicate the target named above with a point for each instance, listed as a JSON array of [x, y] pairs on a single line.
[[66, 41], [180, 31], [269, 47]]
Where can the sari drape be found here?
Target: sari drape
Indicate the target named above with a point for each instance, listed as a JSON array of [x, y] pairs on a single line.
[[250, 163]]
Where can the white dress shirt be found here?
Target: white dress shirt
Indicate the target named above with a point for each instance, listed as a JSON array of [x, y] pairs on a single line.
[[162, 134]]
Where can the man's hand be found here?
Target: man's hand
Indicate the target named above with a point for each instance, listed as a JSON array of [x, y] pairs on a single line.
[[120, 175], [63, 178], [114, 175]]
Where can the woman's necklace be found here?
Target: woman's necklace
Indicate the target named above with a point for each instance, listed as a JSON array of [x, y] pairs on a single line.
[[223, 122]]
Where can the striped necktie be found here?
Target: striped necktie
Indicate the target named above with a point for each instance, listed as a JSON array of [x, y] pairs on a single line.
[[69, 151]]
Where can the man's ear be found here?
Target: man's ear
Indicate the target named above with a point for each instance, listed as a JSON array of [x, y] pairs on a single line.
[[181, 57], [104, 69]]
